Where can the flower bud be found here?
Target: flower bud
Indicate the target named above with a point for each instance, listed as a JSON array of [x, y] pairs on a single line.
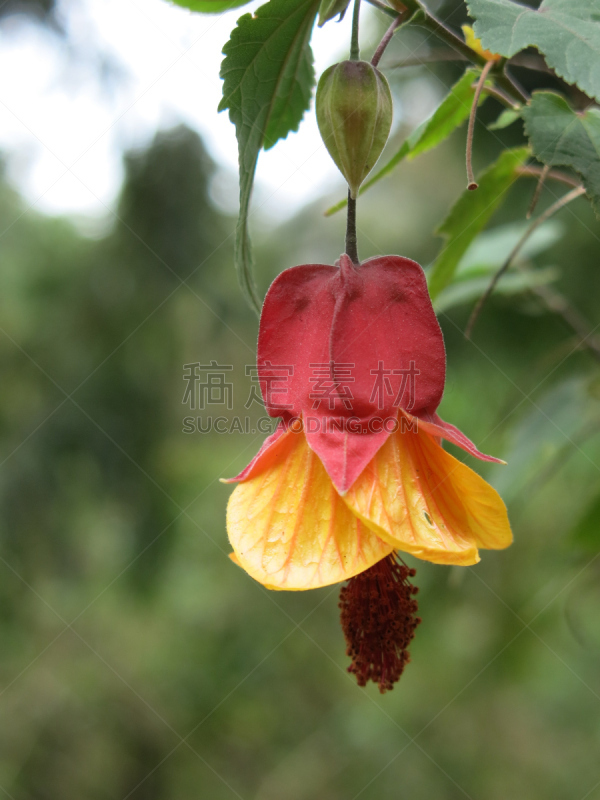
[[354, 114]]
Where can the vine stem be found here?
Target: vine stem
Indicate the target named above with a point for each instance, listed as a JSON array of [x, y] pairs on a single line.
[[549, 212], [387, 38], [354, 46], [471, 183], [351, 237]]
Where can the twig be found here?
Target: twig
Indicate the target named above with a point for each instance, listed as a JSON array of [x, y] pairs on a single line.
[[503, 96], [387, 38], [555, 175], [572, 195], [471, 183], [538, 190]]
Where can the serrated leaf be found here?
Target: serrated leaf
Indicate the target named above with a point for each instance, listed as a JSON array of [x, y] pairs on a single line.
[[470, 214], [567, 32], [448, 116], [210, 6], [561, 136], [467, 290], [268, 79], [506, 118]]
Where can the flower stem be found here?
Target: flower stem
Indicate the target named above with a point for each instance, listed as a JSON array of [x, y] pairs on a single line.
[[387, 37], [471, 183], [351, 239], [549, 212], [354, 47]]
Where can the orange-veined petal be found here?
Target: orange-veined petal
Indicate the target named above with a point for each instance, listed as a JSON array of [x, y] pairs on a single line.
[[425, 502], [289, 527]]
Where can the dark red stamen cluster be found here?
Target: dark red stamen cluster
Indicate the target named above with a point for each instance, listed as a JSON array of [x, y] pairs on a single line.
[[378, 615]]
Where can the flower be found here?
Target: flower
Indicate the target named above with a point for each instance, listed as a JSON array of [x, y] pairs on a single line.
[[353, 361]]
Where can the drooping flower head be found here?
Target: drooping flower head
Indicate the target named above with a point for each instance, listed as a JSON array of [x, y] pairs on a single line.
[[352, 360]]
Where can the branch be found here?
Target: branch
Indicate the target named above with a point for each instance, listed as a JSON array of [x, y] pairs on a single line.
[[555, 174]]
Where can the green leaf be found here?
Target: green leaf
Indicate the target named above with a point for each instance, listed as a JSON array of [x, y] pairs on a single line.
[[586, 533], [491, 248], [506, 118], [448, 116], [567, 32], [268, 79], [544, 437], [560, 136], [467, 290], [470, 214], [330, 9], [210, 6]]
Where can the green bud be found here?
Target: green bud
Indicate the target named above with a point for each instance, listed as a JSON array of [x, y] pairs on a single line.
[[354, 114], [329, 8]]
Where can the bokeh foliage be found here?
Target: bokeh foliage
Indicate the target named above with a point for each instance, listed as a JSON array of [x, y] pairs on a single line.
[[137, 661]]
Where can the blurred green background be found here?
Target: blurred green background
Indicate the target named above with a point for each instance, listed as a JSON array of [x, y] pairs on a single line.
[[136, 661]]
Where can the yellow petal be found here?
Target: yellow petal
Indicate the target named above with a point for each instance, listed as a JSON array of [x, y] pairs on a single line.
[[290, 529], [475, 44], [425, 502]]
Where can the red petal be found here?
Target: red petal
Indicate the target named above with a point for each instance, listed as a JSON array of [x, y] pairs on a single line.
[[436, 426], [265, 456], [295, 325], [346, 452], [384, 314], [375, 321]]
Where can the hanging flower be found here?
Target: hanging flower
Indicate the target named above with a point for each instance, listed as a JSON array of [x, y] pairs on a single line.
[[352, 360]]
